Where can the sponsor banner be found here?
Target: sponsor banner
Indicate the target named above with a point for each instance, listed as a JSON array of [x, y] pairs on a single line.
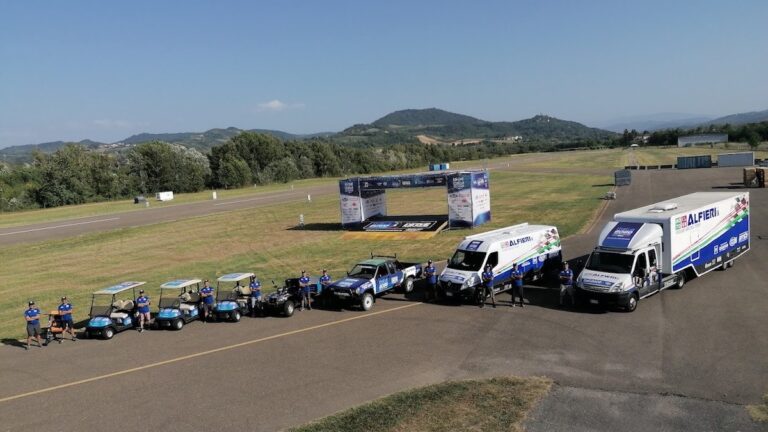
[[351, 203], [400, 226], [621, 234], [374, 203], [402, 181], [460, 200], [481, 199]]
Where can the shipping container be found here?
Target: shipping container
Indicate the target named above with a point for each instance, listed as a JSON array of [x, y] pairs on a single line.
[[736, 159], [689, 162], [622, 177]]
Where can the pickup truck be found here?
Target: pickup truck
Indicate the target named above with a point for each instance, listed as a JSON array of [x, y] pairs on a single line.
[[374, 277]]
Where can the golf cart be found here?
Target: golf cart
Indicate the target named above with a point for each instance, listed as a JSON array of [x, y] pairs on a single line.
[[179, 303], [232, 302], [109, 314], [285, 299]]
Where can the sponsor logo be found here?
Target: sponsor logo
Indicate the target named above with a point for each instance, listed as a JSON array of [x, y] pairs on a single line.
[[717, 249], [458, 182], [521, 240], [691, 219], [743, 237], [732, 242], [474, 245], [623, 232], [349, 187]]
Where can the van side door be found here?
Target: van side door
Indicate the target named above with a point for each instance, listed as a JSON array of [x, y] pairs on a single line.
[[640, 273]]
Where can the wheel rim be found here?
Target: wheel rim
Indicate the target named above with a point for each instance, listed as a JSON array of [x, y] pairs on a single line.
[[632, 303], [289, 309], [367, 302], [409, 285]]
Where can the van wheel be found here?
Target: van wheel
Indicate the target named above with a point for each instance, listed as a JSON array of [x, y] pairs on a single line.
[[680, 280], [367, 301], [408, 285], [632, 303]]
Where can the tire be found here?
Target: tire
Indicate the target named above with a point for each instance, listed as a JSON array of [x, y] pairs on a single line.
[[408, 285], [632, 303], [288, 308], [108, 333], [86, 335], [681, 279], [235, 315], [367, 301], [177, 324]]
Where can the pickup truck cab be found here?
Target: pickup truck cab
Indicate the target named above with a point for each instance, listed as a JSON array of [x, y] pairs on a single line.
[[373, 277]]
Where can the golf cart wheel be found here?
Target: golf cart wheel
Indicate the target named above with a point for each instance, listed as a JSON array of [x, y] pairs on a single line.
[[408, 285], [86, 334], [367, 301], [177, 324], [631, 303], [234, 316], [288, 309], [108, 333]]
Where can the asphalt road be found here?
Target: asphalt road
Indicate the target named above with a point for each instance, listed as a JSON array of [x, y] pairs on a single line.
[[705, 343]]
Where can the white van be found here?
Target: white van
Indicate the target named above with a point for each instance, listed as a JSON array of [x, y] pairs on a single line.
[[535, 248]]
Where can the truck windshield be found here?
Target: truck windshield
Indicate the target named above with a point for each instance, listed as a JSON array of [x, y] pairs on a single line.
[[363, 271], [610, 262], [467, 261]]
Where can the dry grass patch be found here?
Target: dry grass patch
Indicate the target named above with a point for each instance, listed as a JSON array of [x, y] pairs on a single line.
[[759, 413], [497, 404]]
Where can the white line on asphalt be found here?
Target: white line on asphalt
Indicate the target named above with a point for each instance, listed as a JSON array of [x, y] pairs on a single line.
[[58, 226], [202, 353]]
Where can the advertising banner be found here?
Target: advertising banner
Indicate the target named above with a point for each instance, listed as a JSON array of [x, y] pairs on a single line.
[[460, 200], [374, 203], [402, 181], [481, 198], [351, 203]]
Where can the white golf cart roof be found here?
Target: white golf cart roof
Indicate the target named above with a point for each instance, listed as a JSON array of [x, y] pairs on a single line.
[[234, 277], [122, 286], [180, 283]]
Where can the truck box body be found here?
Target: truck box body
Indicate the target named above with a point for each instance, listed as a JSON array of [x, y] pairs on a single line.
[[702, 227], [532, 247]]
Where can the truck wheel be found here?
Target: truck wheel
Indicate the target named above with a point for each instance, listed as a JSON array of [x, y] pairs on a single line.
[[178, 324], [680, 280], [108, 333], [234, 316], [631, 303], [730, 263], [408, 285], [367, 301], [288, 309]]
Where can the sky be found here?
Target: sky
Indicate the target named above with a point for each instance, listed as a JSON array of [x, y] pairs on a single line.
[[104, 70]]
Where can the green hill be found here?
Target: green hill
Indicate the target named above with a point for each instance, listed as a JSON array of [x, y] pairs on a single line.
[[425, 117]]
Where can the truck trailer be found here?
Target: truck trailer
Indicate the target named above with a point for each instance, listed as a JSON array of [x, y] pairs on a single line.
[[645, 250]]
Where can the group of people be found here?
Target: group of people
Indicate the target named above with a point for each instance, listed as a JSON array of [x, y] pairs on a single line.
[[517, 293], [32, 316]]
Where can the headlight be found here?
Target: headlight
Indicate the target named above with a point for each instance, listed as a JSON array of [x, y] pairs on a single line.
[[617, 287], [579, 283]]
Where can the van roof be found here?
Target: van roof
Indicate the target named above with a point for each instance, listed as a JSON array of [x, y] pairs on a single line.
[[480, 242], [662, 210]]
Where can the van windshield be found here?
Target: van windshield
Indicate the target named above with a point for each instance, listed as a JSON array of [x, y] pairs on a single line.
[[610, 262], [467, 261]]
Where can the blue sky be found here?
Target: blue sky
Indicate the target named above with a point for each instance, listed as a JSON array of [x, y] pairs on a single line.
[[105, 70]]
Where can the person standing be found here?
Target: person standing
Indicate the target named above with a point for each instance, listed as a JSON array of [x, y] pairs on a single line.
[[487, 289], [430, 273], [305, 290], [517, 285], [65, 312], [566, 284], [32, 316], [142, 302], [206, 293], [325, 282], [255, 287]]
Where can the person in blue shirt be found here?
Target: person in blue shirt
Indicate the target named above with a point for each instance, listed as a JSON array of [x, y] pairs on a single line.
[[430, 274], [517, 284], [32, 317], [206, 295], [65, 313], [255, 287], [566, 284], [142, 302], [306, 291], [487, 289]]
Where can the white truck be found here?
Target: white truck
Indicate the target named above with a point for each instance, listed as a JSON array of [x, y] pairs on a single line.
[[535, 248], [655, 247]]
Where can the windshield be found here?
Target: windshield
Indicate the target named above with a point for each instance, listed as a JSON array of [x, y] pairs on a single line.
[[97, 310], [363, 271], [610, 262], [225, 293], [169, 301], [467, 261]]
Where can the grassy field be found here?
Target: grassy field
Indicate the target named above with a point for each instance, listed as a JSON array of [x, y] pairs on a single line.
[[498, 404], [759, 413], [264, 240], [666, 156]]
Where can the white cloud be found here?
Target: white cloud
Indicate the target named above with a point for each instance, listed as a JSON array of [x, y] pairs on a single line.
[[277, 105]]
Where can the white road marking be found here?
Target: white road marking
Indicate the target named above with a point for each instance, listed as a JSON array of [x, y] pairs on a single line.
[[58, 226]]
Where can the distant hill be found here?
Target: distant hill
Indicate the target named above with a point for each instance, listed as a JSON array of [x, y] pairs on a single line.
[[742, 118], [653, 122], [444, 126], [23, 153]]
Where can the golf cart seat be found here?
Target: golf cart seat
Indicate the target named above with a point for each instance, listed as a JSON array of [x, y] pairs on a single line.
[[194, 298], [242, 291], [185, 297], [186, 307], [118, 315]]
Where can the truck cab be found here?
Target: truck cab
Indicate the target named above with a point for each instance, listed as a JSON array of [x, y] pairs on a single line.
[[374, 277]]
